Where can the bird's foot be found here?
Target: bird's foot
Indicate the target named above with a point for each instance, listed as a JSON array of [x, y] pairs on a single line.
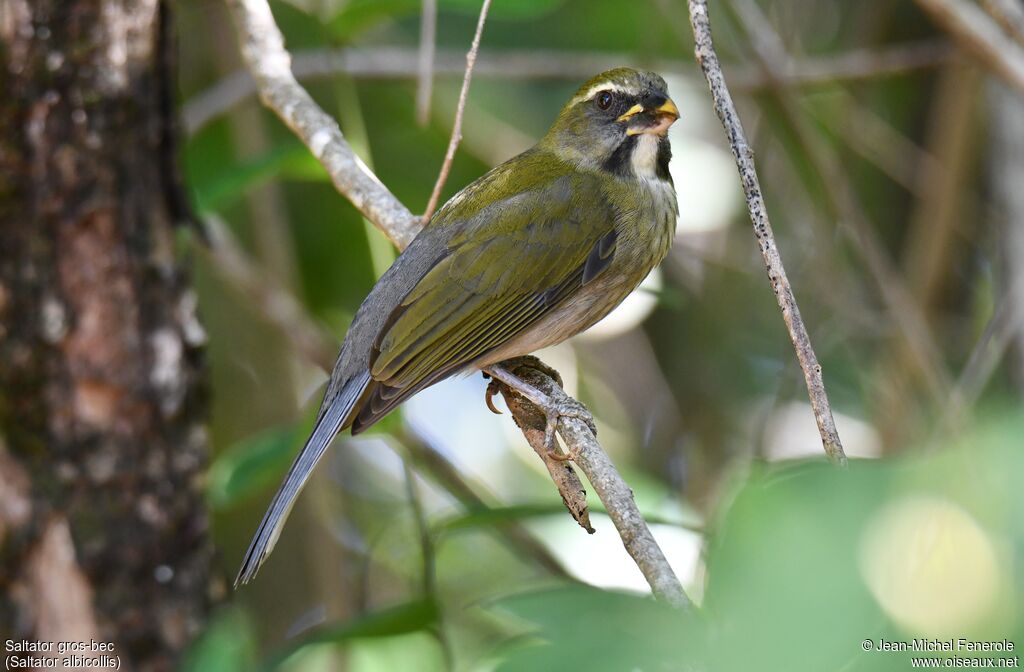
[[507, 374], [570, 408]]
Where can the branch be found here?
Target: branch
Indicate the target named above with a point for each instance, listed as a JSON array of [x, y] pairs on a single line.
[[1006, 320], [848, 66], [264, 53], [429, 558], [980, 36], [405, 63], [587, 453], [708, 60], [1010, 15], [453, 143]]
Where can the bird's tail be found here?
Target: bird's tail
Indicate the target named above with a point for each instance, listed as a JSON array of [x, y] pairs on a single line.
[[332, 419]]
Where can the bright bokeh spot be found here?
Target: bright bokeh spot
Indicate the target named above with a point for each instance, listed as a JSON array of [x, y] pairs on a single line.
[[600, 560], [930, 566], [791, 432]]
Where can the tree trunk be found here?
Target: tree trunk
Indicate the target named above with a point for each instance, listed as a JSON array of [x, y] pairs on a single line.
[[102, 523]]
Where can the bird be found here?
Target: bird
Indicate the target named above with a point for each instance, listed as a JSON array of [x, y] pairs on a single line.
[[533, 252]]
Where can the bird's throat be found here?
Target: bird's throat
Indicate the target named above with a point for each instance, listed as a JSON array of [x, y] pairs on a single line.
[[643, 156]]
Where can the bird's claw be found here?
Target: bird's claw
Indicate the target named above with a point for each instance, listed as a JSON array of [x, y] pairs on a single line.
[[566, 409], [492, 389]]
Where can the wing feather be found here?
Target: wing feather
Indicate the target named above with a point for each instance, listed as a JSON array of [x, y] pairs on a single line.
[[475, 300]]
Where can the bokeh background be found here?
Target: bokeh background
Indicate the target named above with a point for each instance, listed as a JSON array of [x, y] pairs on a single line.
[[892, 165]]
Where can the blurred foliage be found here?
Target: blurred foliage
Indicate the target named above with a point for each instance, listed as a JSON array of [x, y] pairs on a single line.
[[789, 571], [794, 564]]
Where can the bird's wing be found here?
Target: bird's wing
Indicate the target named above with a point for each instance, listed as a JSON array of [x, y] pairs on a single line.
[[516, 261], [453, 295]]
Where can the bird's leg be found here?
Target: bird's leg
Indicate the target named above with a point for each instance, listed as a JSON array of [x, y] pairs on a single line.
[[551, 408], [568, 408]]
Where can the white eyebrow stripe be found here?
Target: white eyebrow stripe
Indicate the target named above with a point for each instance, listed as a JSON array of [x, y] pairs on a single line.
[[603, 86]]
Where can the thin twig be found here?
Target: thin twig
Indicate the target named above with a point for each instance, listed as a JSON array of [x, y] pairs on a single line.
[[708, 60], [980, 36], [425, 74], [537, 64], [453, 143], [261, 40], [277, 305], [849, 66], [875, 139], [429, 578], [995, 340], [429, 558], [986, 355], [447, 475]]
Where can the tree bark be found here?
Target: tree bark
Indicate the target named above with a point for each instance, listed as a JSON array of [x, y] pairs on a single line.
[[102, 523]]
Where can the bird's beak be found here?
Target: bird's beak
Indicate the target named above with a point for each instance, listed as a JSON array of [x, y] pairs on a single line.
[[668, 108], [661, 117]]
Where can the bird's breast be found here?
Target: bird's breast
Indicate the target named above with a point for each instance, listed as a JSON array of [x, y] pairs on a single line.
[[645, 234]]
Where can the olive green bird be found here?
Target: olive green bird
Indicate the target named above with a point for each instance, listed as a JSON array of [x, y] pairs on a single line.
[[533, 252]]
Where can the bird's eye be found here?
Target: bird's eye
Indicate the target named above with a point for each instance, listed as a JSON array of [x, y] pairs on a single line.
[[604, 100]]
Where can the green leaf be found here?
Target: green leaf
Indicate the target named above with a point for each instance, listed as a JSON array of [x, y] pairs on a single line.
[[251, 465], [791, 565], [399, 620], [227, 645], [583, 628], [420, 651], [291, 161]]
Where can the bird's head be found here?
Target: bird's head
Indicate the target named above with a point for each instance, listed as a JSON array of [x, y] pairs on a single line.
[[617, 122]]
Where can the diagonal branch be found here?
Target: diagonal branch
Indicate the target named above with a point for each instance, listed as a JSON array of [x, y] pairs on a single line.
[[594, 462], [263, 50], [270, 64], [980, 36], [708, 60], [1010, 15]]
